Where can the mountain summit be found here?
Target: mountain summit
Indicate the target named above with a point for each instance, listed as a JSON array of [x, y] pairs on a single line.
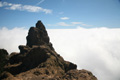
[[38, 60], [37, 35]]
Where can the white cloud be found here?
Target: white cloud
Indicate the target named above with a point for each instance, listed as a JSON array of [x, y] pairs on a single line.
[[86, 25], [63, 24], [64, 18], [97, 49], [21, 7], [10, 39], [76, 23], [81, 23], [4, 4], [60, 24], [1, 4], [15, 7], [41, 1]]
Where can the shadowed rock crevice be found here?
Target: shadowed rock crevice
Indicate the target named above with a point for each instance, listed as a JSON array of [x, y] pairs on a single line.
[[38, 60]]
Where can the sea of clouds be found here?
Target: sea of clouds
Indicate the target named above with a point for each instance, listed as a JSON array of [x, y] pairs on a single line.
[[95, 49]]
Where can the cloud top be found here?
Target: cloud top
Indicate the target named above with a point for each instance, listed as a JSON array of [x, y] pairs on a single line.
[[96, 49], [10, 39]]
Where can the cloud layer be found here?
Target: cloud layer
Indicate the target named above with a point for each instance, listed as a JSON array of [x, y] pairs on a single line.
[[20, 7], [97, 49], [11, 39], [70, 24]]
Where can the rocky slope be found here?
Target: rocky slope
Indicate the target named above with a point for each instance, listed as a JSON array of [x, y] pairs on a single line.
[[38, 60]]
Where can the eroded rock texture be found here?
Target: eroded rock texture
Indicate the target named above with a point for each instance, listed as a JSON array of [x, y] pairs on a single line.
[[38, 60]]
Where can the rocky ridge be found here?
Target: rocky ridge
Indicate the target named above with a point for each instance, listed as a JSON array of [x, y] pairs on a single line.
[[38, 60]]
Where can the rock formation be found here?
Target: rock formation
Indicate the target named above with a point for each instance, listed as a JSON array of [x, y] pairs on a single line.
[[3, 59], [38, 60]]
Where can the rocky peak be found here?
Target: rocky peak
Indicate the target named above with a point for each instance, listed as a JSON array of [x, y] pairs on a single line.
[[38, 60], [40, 25], [37, 35]]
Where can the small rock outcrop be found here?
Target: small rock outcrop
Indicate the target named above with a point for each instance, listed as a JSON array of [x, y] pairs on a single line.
[[38, 60]]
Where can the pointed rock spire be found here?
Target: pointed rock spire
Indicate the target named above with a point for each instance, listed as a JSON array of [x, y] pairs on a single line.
[[37, 35], [40, 25]]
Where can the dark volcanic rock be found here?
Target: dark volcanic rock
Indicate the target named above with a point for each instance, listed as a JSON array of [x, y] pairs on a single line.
[[79, 75], [3, 59], [39, 61], [24, 49], [37, 35]]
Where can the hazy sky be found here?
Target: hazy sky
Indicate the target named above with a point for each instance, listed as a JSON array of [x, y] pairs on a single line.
[[60, 13], [86, 32]]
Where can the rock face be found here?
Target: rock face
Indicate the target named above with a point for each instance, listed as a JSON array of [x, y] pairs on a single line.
[[38, 60], [3, 59], [37, 35]]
